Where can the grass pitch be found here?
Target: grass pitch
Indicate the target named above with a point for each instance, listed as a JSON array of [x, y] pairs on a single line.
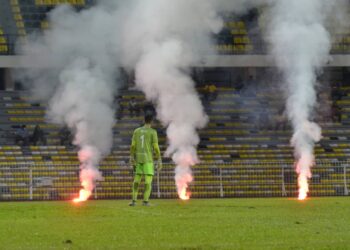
[[276, 223]]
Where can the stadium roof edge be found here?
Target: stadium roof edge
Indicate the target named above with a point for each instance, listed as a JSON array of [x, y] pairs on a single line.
[[262, 61], [208, 61]]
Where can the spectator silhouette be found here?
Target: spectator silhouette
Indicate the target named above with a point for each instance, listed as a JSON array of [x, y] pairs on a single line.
[[249, 87], [133, 107], [238, 85], [22, 135], [336, 113], [38, 135], [206, 93], [209, 92], [120, 108], [212, 92], [281, 120], [65, 137]]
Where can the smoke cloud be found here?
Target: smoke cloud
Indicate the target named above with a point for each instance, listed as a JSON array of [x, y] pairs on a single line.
[[82, 50], [301, 44], [79, 83], [171, 39], [161, 41]]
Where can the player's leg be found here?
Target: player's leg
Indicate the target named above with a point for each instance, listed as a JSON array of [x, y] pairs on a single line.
[[135, 188], [148, 188], [149, 172]]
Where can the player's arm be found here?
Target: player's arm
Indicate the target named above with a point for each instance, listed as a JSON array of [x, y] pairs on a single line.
[[133, 151], [156, 150]]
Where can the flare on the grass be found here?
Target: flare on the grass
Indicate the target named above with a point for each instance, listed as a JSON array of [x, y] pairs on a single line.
[[84, 194], [303, 187], [303, 169], [89, 174], [88, 178], [301, 61], [303, 140], [184, 159], [183, 176]]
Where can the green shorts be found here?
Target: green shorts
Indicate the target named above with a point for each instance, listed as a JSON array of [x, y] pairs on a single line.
[[144, 168]]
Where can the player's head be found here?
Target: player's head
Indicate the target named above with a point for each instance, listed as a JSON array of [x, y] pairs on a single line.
[[148, 118]]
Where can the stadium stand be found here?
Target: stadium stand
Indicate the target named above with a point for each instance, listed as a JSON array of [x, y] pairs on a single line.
[[243, 153], [30, 15], [239, 158], [243, 36], [235, 38], [18, 18], [239, 36], [241, 43]]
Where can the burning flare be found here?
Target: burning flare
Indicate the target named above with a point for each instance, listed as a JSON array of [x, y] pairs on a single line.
[[183, 194], [303, 169], [183, 176], [84, 193], [303, 187], [303, 140], [183, 173], [89, 173]]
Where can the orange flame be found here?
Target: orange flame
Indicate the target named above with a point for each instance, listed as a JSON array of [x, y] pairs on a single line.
[[83, 196], [182, 185], [184, 195], [303, 187], [303, 169], [302, 195], [85, 192]]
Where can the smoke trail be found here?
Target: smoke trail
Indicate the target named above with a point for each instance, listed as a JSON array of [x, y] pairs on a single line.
[[82, 50], [301, 45], [172, 38], [161, 41], [79, 84]]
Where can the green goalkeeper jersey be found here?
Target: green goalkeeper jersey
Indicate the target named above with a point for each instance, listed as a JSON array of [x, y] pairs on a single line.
[[144, 145]]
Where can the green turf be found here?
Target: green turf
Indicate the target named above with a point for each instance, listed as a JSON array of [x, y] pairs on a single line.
[[318, 223]]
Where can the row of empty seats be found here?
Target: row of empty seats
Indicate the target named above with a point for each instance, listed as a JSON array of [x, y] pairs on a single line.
[[31, 15], [234, 39], [228, 137], [3, 43], [56, 2]]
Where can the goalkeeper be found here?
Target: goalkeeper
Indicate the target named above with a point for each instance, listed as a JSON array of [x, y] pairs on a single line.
[[144, 146]]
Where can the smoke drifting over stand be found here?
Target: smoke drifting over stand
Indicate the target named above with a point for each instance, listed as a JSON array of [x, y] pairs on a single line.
[[161, 41], [170, 40], [79, 83], [301, 44]]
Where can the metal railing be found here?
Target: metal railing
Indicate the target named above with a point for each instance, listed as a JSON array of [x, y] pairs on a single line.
[[32, 181]]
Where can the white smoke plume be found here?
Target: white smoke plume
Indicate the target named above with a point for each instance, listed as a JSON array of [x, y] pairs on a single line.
[[78, 83], [161, 42], [301, 44]]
